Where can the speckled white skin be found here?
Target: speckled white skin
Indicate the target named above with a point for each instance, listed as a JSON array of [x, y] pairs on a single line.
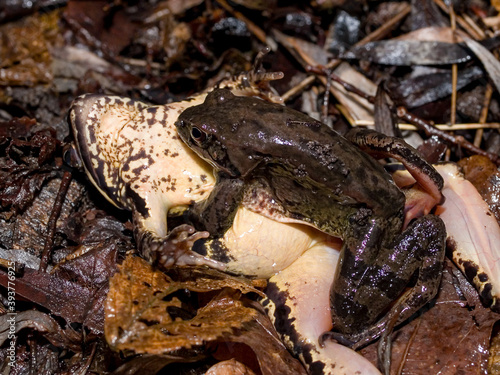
[[117, 131], [473, 231]]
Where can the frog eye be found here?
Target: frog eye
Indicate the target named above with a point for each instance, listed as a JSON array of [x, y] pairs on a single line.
[[198, 135], [71, 157]]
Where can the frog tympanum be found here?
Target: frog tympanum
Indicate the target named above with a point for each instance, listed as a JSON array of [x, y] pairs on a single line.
[[314, 175]]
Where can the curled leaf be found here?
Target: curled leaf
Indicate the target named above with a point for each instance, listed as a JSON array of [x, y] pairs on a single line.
[[144, 316]]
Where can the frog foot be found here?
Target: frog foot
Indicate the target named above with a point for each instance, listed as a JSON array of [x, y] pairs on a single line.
[[341, 338], [418, 203], [357, 341], [255, 82], [175, 249]]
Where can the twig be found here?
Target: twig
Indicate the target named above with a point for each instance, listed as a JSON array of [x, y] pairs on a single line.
[[445, 127], [408, 346], [377, 34], [472, 32], [454, 70], [484, 114], [54, 215], [431, 130], [420, 123]]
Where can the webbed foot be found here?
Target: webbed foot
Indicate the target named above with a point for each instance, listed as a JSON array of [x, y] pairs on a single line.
[[176, 249], [255, 82]]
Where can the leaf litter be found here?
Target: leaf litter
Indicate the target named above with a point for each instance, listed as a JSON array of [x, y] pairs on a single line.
[[51, 56]]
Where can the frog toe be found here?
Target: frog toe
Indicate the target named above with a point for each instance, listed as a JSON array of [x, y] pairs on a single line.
[[176, 249]]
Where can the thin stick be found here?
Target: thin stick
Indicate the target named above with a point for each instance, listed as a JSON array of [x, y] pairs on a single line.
[[445, 127], [54, 215], [377, 34], [461, 22], [484, 114], [431, 130], [454, 71]]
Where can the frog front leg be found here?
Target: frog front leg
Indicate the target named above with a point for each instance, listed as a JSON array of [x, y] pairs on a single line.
[[380, 145], [368, 280], [166, 250], [216, 214]]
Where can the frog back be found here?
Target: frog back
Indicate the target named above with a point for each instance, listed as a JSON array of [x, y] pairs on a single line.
[[255, 134]]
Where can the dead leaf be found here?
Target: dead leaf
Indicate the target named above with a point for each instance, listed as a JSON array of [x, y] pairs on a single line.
[[142, 312], [42, 323], [489, 61], [24, 49], [449, 338], [409, 52], [271, 354], [73, 302], [416, 91]]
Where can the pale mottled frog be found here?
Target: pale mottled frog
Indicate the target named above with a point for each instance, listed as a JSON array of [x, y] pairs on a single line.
[[130, 152], [110, 132], [317, 176]]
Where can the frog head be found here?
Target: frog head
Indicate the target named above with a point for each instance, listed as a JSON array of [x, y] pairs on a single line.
[[96, 121], [219, 133]]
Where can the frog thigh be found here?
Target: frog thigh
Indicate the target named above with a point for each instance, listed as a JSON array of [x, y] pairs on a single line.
[[301, 296], [261, 247]]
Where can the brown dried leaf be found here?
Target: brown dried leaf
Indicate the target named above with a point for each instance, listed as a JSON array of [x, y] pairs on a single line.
[[16, 127], [73, 302], [451, 337], [106, 27], [42, 323], [141, 312], [205, 280], [24, 48], [271, 354], [23, 169]]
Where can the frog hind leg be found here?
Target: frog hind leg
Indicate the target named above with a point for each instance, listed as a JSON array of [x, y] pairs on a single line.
[[172, 249], [421, 247]]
